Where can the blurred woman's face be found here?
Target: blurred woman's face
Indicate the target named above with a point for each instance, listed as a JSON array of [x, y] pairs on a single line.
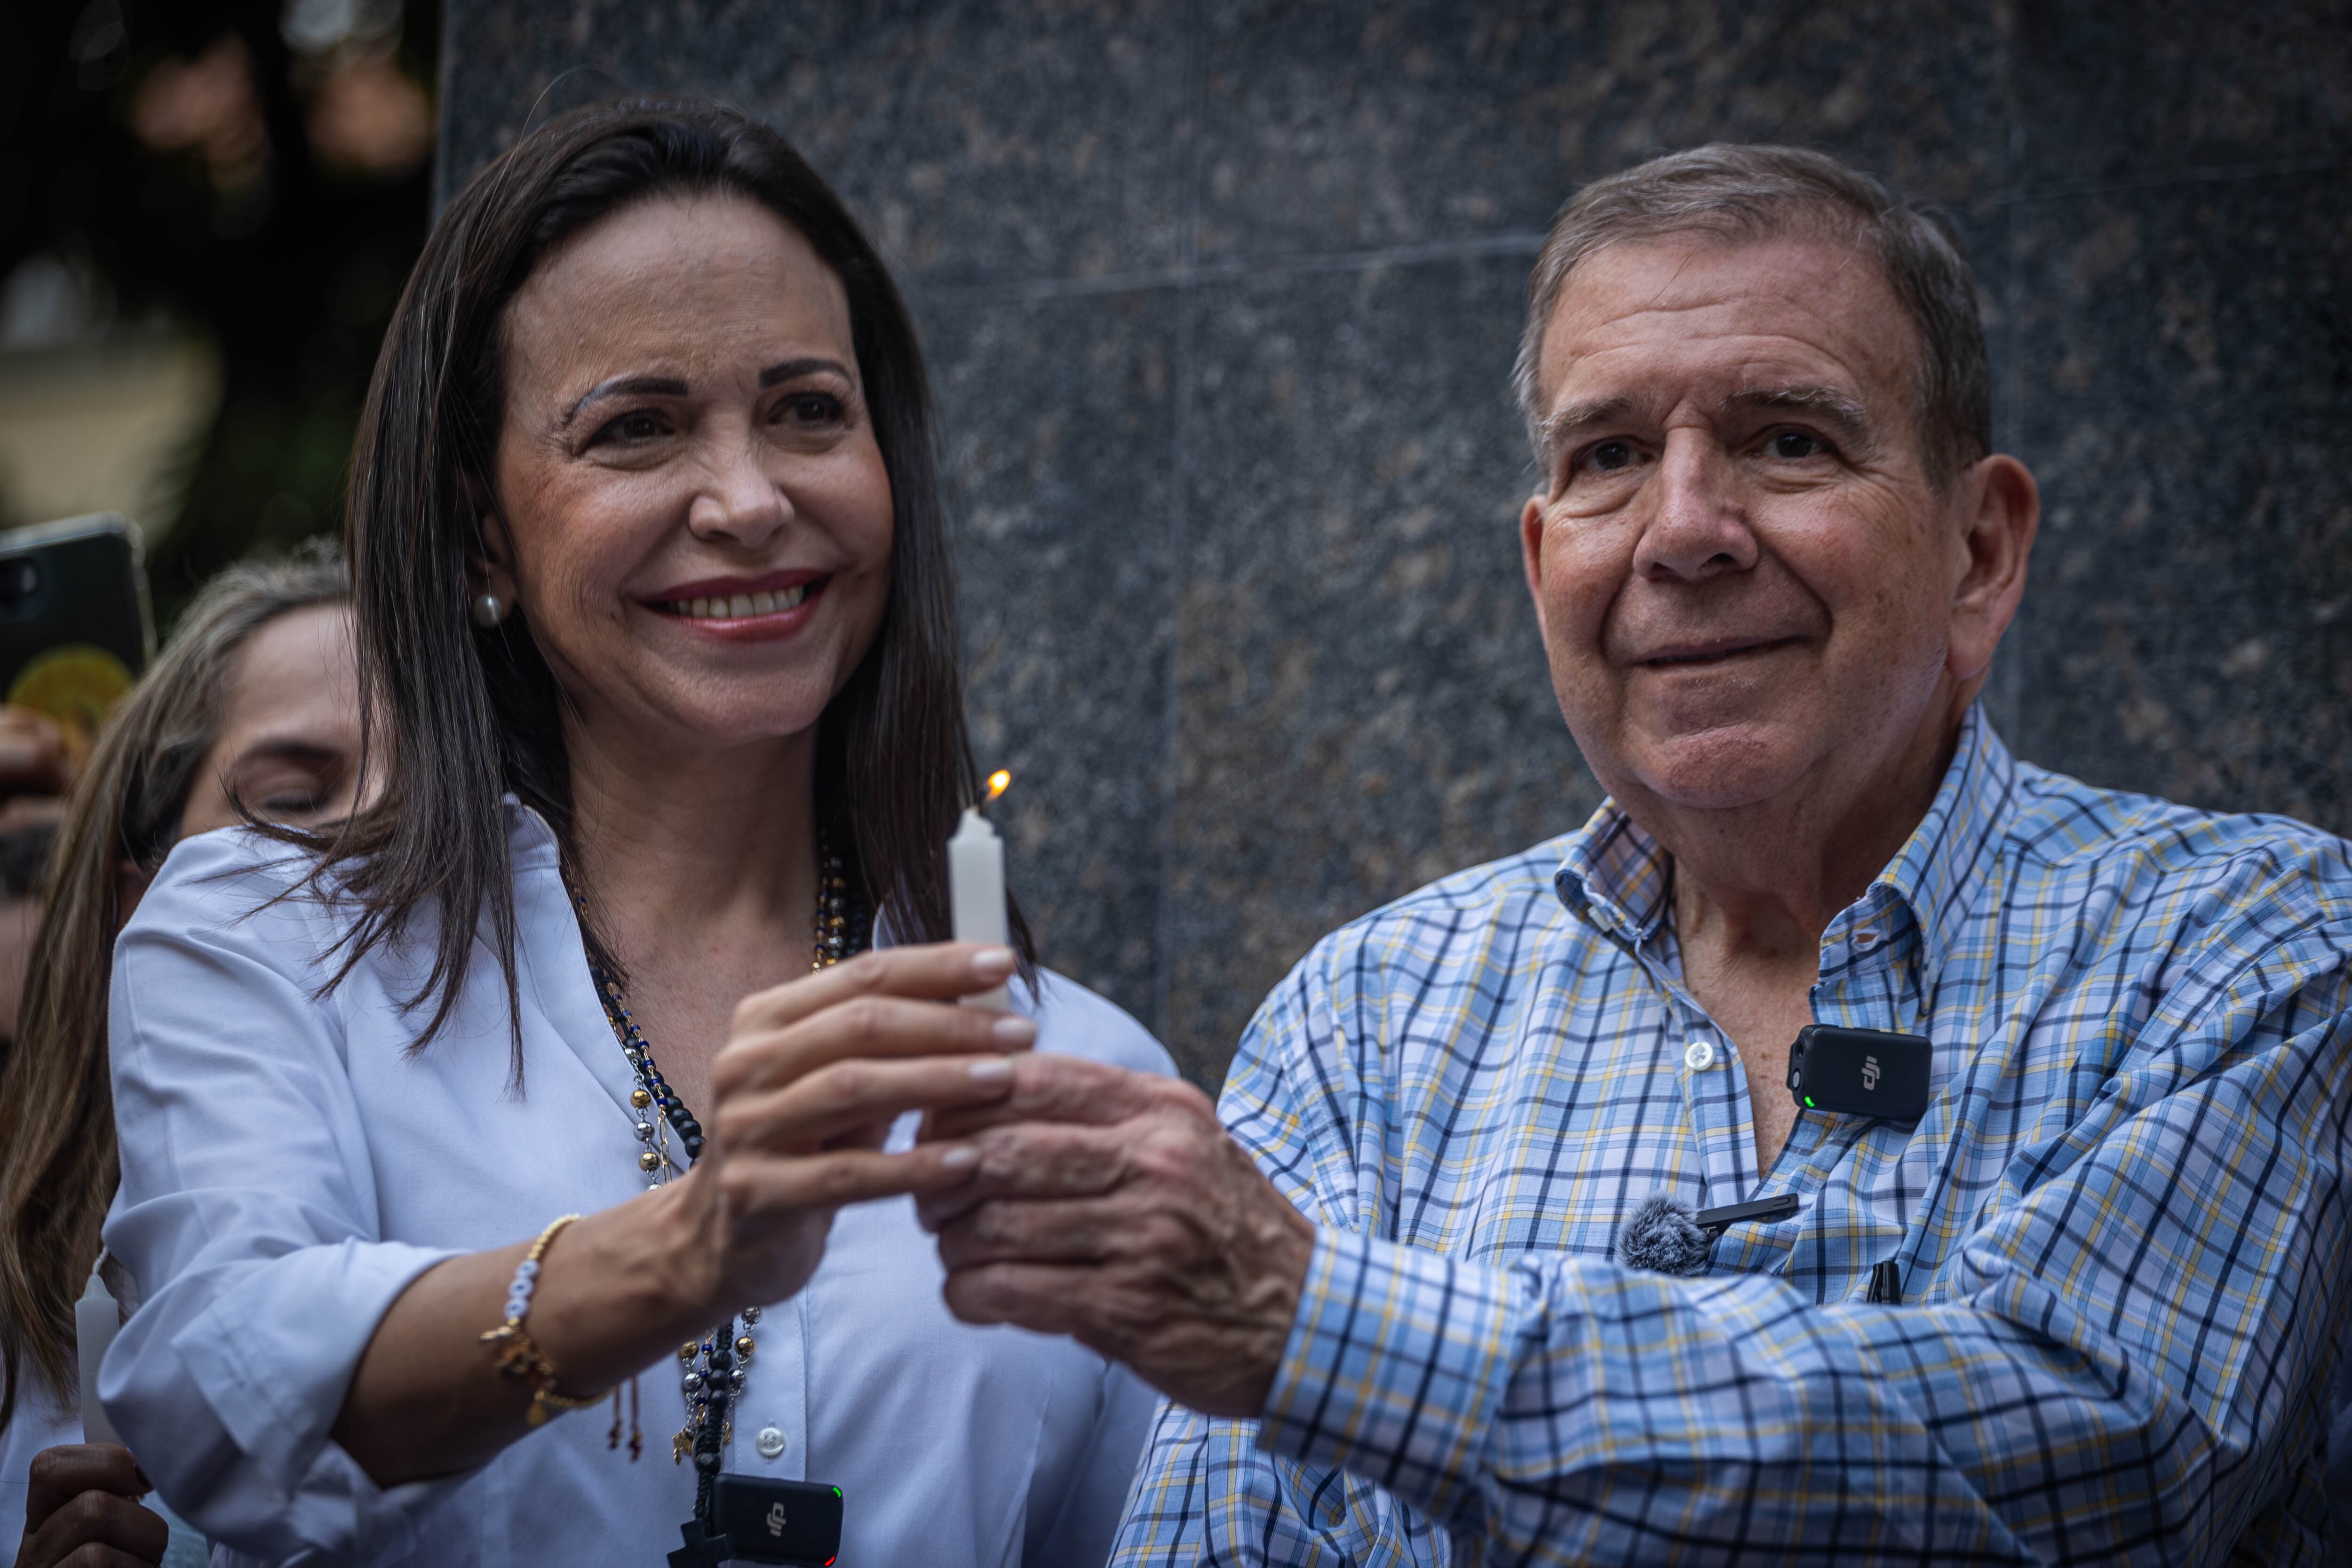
[[289, 744], [690, 506]]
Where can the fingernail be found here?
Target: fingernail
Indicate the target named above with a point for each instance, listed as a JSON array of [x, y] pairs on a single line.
[[993, 962], [962, 1157], [991, 1069], [1014, 1030]]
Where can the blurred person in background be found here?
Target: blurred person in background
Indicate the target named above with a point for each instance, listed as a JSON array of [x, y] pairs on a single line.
[[209, 209], [252, 707], [35, 773]]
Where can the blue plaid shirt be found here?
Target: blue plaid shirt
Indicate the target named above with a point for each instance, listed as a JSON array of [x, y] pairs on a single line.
[[2120, 1225]]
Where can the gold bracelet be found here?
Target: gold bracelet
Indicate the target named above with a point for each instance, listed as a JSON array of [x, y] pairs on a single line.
[[522, 1356]]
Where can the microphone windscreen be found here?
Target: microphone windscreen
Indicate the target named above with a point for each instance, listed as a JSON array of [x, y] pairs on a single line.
[[1663, 1237]]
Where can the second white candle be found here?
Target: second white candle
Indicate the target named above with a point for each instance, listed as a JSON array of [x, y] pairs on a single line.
[[96, 1317]]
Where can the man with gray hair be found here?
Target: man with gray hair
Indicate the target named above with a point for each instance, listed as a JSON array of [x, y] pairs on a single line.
[[2020, 1107]]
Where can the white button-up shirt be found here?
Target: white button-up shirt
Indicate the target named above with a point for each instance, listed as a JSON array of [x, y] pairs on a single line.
[[288, 1166]]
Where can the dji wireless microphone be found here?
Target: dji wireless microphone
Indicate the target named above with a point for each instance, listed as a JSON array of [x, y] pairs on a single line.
[[758, 1519], [1860, 1072]]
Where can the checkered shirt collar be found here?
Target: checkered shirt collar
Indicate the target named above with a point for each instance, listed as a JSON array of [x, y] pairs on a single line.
[[1619, 879]]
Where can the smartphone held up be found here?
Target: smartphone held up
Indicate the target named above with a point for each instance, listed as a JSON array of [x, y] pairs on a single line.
[[75, 630]]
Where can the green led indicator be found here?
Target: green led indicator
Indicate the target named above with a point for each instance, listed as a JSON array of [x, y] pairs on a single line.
[[1808, 1102], [836, 1491]]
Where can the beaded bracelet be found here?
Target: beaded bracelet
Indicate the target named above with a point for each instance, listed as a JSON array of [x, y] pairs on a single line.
[[522, 1357]]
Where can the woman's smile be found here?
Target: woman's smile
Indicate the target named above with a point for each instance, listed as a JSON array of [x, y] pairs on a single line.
[[743, 609]]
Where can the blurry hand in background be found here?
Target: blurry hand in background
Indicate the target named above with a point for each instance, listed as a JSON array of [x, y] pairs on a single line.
[[83, 1508], [35, 773], [34, 768]]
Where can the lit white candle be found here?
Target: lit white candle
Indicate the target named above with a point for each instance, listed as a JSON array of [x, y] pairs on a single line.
[[96, 1317], [976, 884]]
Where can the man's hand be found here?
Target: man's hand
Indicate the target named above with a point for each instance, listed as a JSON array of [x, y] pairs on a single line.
[[82, 1511], [1110, 1207]]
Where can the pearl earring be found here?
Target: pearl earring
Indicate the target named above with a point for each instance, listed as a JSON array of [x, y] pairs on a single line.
[[489, 610]]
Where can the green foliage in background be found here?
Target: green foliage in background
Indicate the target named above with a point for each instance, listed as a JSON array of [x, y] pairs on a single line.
[[288, 257]]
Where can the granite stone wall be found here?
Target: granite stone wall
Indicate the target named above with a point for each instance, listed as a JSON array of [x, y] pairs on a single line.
[[1221, 298]]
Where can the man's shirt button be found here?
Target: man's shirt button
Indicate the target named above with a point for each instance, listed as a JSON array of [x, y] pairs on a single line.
[[770, 1442], [1698, 1056]]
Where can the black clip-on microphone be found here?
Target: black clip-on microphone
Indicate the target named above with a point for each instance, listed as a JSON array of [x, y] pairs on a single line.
[[754, 1519], [1856, 1072], [1715, 1221], [1863, 1072]]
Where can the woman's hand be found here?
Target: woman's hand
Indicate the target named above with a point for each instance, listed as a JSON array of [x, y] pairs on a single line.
[[81, 1510], [803, 1097], [813, 1073]]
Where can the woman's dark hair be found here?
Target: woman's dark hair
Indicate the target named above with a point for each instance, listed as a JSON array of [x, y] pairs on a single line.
[[473, 713]]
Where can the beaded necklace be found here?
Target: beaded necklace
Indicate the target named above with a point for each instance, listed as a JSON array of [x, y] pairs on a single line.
[[714, 1368]]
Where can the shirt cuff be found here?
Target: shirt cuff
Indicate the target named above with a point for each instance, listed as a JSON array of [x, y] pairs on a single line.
[[233, 1409], [1394, 1369]]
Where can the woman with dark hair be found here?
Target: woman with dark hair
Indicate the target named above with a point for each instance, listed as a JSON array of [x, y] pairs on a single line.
[[654, 603], [250, 707]]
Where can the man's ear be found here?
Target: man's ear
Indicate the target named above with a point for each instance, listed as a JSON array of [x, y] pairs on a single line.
[[1999, 510], [489, 568], [1531, 521]]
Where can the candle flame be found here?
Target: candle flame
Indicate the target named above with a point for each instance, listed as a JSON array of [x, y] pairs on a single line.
[[998, 782]]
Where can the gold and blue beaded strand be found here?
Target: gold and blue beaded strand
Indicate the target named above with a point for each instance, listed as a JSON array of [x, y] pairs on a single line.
[[713, 1369]]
